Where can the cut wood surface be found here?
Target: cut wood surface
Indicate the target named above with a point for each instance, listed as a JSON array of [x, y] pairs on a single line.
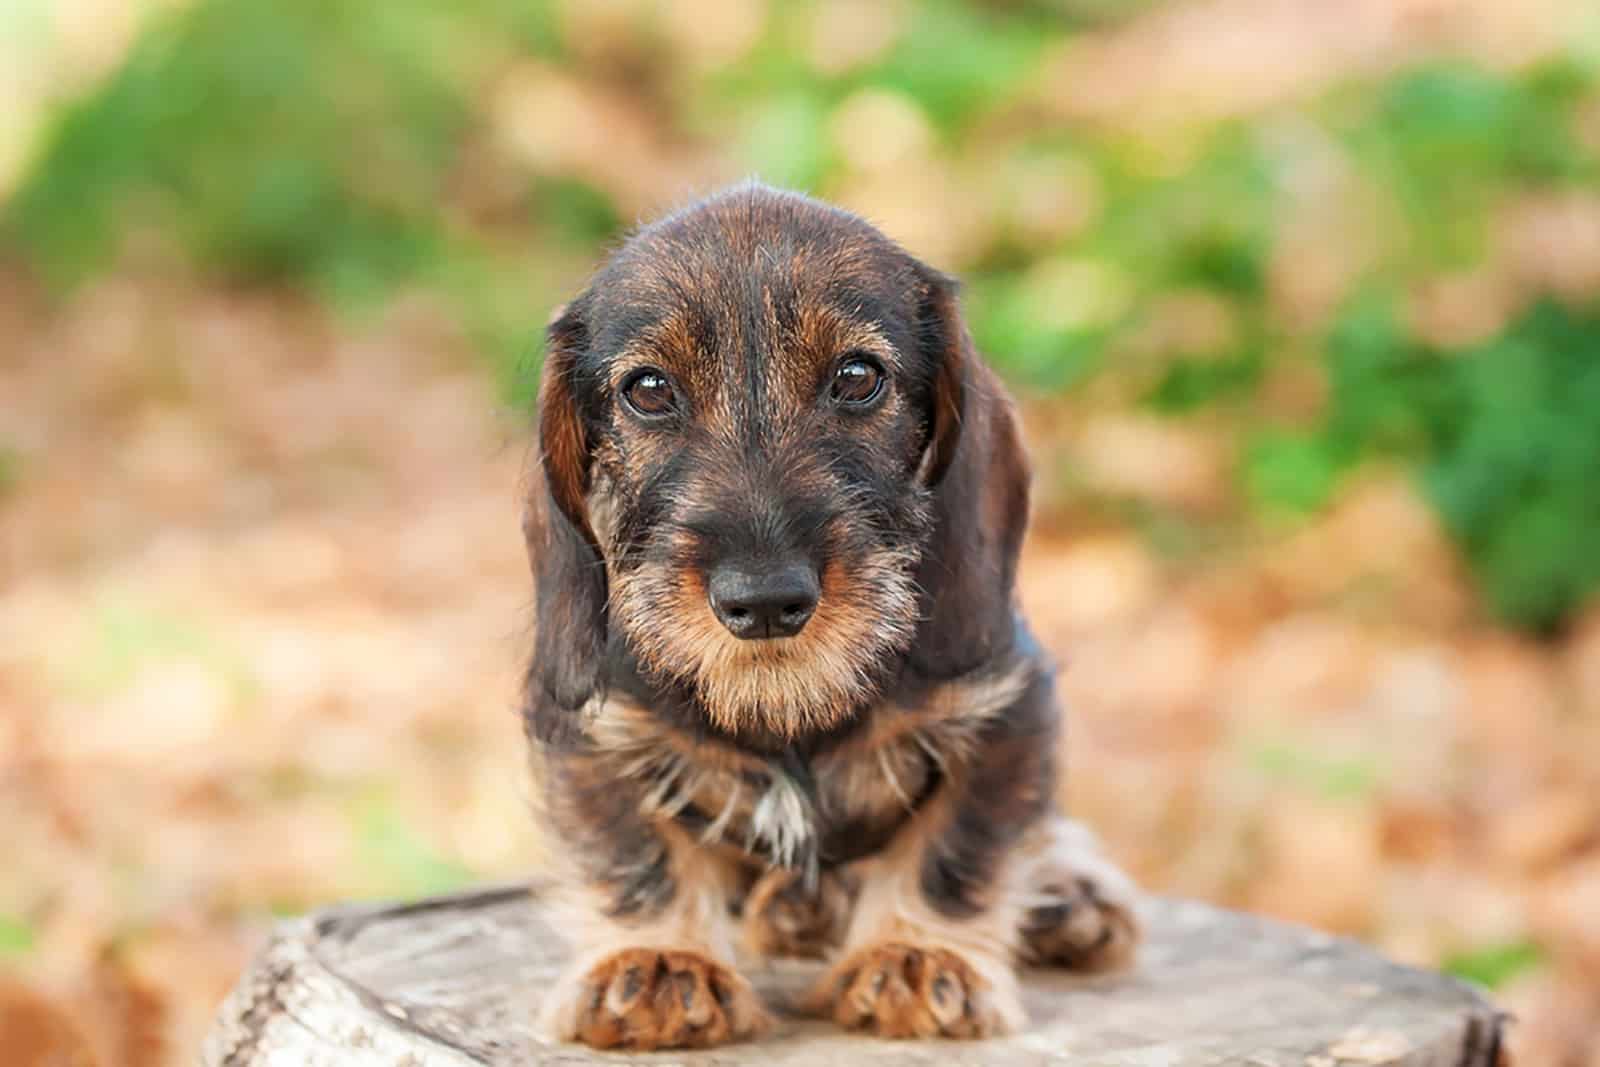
[[456, 981]]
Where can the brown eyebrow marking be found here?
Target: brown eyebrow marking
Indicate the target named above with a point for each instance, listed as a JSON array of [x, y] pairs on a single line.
[[674, 344], [829, 333]]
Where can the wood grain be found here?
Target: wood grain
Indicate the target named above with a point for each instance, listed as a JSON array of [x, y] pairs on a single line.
[[455, 981]]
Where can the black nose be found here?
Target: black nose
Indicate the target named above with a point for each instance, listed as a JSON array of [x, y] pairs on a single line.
[[769, 603]]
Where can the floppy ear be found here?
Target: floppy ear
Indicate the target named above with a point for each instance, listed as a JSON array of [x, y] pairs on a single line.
[[569, 575], [564, 451], [975, 463], [944, 342]]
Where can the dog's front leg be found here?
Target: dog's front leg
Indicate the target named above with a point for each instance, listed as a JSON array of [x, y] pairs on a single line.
[[647, 910], [930, 948]]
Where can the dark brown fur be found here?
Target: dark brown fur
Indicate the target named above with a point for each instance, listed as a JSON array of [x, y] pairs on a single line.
[[880, 782]]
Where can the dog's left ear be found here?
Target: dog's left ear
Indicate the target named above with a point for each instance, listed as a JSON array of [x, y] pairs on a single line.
[[976, 466], [568, 571]]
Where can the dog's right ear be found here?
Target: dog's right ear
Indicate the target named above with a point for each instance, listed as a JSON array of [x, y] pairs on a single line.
[[568, 571], [564, 447]]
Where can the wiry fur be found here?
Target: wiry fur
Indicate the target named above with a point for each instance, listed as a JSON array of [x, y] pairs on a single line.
[[877, 785], [803, 685]]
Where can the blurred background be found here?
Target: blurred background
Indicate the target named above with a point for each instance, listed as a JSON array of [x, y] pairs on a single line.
[[1302, 299]]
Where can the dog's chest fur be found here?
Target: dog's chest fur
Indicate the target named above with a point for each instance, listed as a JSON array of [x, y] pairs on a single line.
[[832, 808]]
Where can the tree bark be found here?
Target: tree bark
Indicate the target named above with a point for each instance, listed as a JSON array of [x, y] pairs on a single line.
[[455, 981]]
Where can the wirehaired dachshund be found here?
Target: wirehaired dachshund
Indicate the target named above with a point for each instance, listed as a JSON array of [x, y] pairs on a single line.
[[781, 700]]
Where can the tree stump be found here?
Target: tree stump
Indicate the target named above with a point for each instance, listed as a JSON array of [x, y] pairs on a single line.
[[455, 981]]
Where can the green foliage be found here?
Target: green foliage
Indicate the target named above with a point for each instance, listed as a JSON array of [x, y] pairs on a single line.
[[16, 938], [955, 61], [1504, 434], [1388, 391], [402, 863], [1208, 225], [575, 211], [270, 138], [130, 637], [1447, 140], [1330, 776], [1030, 347], [308, 142], [1292, 471], [1188, 384], [1514, 472], [1492, 966], [784, 140]]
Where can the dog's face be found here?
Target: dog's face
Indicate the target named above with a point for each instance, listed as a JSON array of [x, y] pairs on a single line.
[[746, 413]]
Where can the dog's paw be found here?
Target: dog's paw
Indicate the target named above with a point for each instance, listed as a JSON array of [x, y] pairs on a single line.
[[899, 990], [1077, 924], [644, 999], [783, 918], [1082, 909]]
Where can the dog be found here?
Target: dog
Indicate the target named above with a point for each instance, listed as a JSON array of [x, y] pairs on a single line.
[[781, 700]]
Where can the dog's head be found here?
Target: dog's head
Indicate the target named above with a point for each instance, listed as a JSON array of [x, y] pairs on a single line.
[[771, 466]]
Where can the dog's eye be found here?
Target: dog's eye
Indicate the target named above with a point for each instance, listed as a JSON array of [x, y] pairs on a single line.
[[857, 382], [650, 394]]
